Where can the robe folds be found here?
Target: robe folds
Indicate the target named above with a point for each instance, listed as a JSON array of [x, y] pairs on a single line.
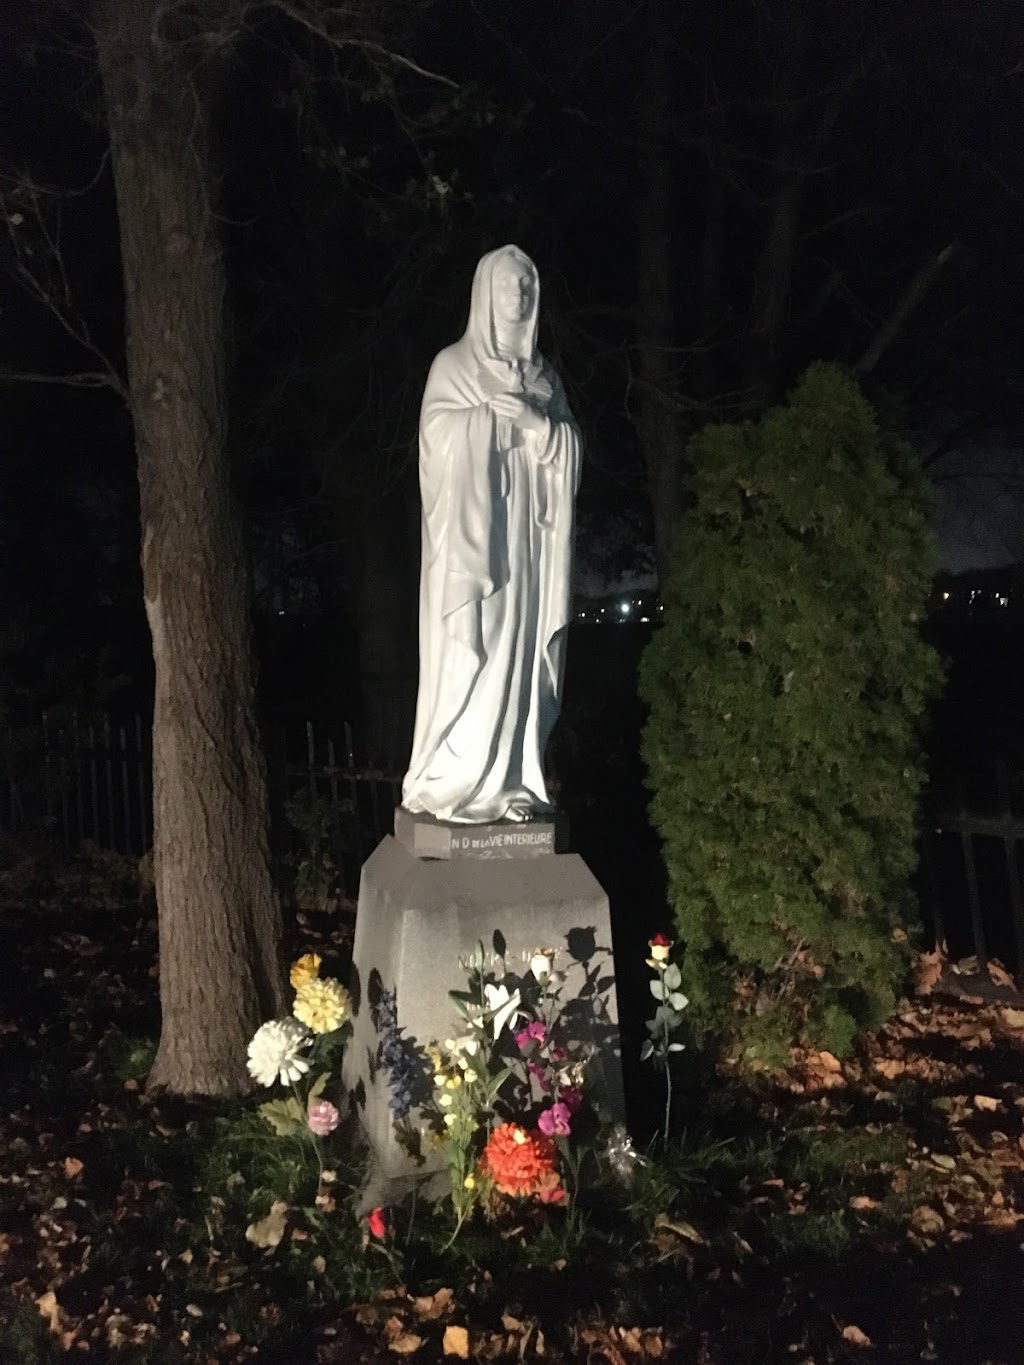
[[496, 572]]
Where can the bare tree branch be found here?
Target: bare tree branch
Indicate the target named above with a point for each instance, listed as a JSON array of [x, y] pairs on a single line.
[[335, 25], [86, 379], [33, 220], [917, 287]]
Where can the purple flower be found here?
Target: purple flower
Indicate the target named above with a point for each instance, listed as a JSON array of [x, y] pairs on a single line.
[[323, 1118], [554, 1122], [572, 1097]]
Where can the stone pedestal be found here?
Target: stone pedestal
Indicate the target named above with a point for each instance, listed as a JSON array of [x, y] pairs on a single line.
[[417, 916]]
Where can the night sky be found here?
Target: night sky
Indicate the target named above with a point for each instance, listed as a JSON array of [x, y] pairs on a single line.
[[356, 196]]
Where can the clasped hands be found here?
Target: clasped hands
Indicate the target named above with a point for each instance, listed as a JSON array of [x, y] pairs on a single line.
[[519, 412]]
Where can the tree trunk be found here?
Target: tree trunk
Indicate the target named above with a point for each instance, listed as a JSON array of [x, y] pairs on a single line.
[[220, 921], [656, 421]]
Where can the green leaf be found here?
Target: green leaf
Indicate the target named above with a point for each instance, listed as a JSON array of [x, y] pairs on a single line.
[[498, 941], [646, 1050], [678, 1001], [672, 977], [317, 1088], [284, 1116], [658, 990]]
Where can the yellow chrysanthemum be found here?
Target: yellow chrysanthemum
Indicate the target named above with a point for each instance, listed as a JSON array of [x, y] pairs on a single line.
[[306, 968], [322, 1005]]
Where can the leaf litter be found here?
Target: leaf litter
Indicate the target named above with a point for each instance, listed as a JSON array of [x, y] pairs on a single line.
[[880, 1204]]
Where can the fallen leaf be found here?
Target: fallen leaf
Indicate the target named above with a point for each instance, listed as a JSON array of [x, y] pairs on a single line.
[[986, 1102], [73, 1167], [864, 1201], [890, 1067], [927, 1221], [999, 975], [944, 1162], [927, 970], [114, 1327], [456, 1342], [1013, 1018], [405, 1344], [433, 1305], [680, 1228], [268, 1232], [828, 1061], [855, 1336], [49, 1308]]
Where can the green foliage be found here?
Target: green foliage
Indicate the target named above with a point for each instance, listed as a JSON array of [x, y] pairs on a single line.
[[322, 831], [786, 688]]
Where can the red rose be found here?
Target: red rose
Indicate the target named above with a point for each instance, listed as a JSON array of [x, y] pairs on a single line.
[[377, 1223]]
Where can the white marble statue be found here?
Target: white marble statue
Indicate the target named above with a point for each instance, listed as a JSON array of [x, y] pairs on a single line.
[[499, 468]]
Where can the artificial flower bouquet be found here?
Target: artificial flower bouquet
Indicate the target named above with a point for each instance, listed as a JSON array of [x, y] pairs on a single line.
[[508, 1087], [300, 1051]]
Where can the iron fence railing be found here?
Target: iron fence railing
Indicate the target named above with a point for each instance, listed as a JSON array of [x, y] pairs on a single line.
[[80, 777], [973, 866], [89, 777]]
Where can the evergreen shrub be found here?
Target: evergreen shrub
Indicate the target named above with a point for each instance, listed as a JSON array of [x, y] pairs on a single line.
[[786, 689]]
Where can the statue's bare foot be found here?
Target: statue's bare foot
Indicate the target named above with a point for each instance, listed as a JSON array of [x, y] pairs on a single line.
[[519, 812]]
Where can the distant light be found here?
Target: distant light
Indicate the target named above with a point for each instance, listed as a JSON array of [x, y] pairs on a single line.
[[945, 597], [281, 612], [625, 608], [1003, 601], [645, 619]]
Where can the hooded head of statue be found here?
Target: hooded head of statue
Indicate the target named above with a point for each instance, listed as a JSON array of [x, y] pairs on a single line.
[[504, 306]]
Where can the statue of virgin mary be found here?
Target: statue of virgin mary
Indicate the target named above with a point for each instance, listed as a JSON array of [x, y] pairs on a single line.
[[499, 467]]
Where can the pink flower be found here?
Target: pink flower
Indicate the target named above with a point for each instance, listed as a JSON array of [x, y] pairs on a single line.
[[660, 941], [323, 1118], [554, 1122], [534, 1032], [376, 1222]]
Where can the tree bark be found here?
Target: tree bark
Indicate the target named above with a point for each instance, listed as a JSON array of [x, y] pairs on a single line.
[[220, 922], [656, 421]]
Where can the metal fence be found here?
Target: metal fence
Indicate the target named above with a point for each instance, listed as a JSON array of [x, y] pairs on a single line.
[[973, 874], [78, 778], [89, 778], [354, 806]]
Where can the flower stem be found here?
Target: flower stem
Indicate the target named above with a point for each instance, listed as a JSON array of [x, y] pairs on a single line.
[[666, 1038]]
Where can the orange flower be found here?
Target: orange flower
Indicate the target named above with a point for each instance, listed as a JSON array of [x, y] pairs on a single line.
[[519, 1162]]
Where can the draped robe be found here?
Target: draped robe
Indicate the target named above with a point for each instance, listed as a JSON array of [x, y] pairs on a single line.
[[495, 581]]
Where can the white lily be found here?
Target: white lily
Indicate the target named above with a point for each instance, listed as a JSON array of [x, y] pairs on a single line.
[[502, 1004]]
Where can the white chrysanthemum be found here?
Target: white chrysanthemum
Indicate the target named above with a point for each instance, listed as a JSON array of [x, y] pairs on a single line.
[[276, 1051]]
